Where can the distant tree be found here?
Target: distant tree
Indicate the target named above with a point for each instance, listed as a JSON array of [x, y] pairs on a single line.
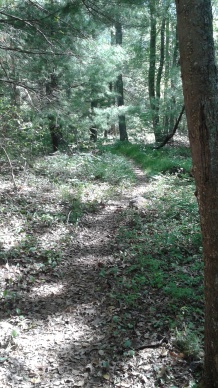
[[119, 86], [162, 67]]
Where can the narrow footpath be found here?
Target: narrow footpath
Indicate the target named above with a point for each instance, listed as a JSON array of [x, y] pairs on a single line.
[[59, 330]]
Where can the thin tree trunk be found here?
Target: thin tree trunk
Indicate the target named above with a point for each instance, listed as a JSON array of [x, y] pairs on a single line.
[[162, 55], [166, 76], [152, 60], [92, 129], [200, 80], [158, 132], [112, 129], [173, 80], [112, 99], [119, 87], [120, 103], [54, 125]]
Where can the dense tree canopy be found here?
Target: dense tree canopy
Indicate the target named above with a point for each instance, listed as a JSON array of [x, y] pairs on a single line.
[[59, 57]]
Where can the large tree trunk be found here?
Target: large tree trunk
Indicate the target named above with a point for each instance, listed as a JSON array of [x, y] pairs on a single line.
[[119, 87], [200, 80]]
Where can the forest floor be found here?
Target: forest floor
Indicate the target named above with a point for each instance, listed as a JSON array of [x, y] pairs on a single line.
[[60, 323]]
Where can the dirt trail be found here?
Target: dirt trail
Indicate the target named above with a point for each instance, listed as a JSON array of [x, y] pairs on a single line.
[[64, 333]]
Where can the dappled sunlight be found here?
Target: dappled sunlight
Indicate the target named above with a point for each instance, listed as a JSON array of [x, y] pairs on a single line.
[[39, 361], [101, 267], [85, 296], [96, 191], [45, 289], [11, 236], [52, 238]]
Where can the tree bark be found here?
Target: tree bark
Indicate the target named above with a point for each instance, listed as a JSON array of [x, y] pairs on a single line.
[[154, 86], [166, 75], [200, 80], [152, 60], [55, 132], [119, 87], [158, 132], [54, 124], [162, 55], [173, 79], [92, 129]]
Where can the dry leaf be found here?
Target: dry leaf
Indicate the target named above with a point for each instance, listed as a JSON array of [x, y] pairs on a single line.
[[106, 376], [80, 383], [36, 380]]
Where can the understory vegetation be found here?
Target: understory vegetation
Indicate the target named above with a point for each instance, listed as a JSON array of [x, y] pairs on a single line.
[[155, 282], [160, 248]]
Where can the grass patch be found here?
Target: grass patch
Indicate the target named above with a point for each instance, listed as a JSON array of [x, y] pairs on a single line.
[[86, 167], [167, 159], [83, 180], [165, 245]]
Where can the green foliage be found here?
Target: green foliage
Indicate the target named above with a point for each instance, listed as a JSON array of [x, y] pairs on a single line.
[[168, 159], [9, 116], [160, 248], [165, 248], [89, 167], [188, 342]]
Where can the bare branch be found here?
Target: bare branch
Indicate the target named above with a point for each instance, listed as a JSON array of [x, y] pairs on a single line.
[[33, 52], [168, 137], [37, 5], [12, 170]]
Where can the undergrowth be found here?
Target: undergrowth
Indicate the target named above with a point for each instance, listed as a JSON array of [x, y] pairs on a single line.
[[160, 249], [86, 167], [83, 180], [152, 161]]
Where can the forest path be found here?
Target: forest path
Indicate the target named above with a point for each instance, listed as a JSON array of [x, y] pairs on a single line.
[[59, 323]]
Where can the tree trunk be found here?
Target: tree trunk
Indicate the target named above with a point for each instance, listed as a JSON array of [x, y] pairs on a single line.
[[112, 129], [200, 80], [166, 76], [152, 61], [55, 132], [159, 135], [173, 80], [120, 103], [55, 126], [154, 87], [119, 87], [92, 129]]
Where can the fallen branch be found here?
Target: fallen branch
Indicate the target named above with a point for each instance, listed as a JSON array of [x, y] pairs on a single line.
[[151, 345], [168, 137]]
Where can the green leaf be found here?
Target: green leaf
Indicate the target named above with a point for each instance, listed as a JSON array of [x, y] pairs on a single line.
[[127, 343], [3, 359], [115, 318], [14, 334]]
